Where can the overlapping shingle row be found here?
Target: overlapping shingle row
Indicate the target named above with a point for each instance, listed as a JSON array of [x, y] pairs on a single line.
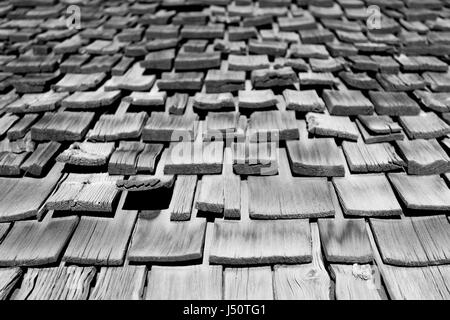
[[178, 149]]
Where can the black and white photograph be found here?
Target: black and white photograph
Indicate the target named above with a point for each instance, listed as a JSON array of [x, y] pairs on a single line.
[[219, 156]]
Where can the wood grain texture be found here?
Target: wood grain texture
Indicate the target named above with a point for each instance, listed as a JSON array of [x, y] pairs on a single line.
[[85, 192], [184, 283], [211, 197], [58, 283], [377, 124], [224, 125], [119, 283], [248, 283], [256, 99], [133, 80], [194, 158], [217, 81], [157, 239], [398, 242], [124, 159], [422, 192], [255, 158], [23, 198], [33, 243], [424, 157], [231, 188], [286, 197], [378, 157], [270, 125], [315, 157], [434, 235], [303, 101], [344, 240], [101, 241], [303, 282], [372, 137], [4, 228], [146, 162], [348, 102], [62, 126], [424, 126], [91, 100], [356, 282], [112, 127], [250, 242], [165, 127], [87, 154], [394, 103], [37, 102], [143, 182], [183, 197], [213, 101], [21, 127], [41, 158], [8, 279], [412, 283], [331, 126], [366, 195]]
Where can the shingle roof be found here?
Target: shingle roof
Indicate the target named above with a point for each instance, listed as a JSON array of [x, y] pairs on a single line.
[[225, 149]]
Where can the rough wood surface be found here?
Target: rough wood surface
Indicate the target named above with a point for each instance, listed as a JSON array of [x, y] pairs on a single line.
[[303, 101], [41, 158], [87, 154], [124, 159], [334, 126], [434, 234], [424, 157], [164, 127], [378, 157], [101, 241], [57, 283], [183, 197], [62, 126], [260, 242], [366, 195], [412, 283], [254, 158], [428, 193], [315, 157], [344, 240], [256, 99], [8, 279], [33, 243], [194, 158], [85, 192], [157, 239], [211, 196], [357, 282], [270, 125], [22, 198], [398, 242], [393, 103], [309, 281], [286, 197], [196, 282], [231, 188], [424, 126], [117, 127], [37, 102], [248, 283], [119, 283], [348, 102], [143, 182]]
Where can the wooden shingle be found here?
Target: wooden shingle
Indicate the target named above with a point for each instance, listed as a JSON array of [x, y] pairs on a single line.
[[366, 195]]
